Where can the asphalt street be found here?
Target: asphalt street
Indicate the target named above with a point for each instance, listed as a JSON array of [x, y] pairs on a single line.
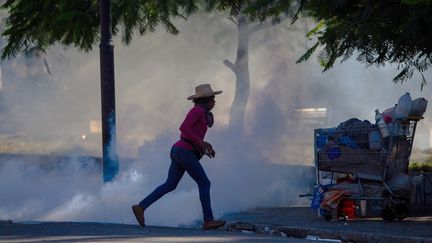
[[100, 232], [281, 224]]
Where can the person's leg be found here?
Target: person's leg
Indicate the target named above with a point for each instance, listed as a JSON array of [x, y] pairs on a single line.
[[190, 162], [175, 173]]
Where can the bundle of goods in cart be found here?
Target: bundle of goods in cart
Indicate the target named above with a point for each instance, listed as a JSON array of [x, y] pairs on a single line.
[[389, 121], [362, 168]]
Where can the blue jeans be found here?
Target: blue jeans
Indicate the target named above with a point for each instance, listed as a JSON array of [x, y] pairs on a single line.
[[183, 160]]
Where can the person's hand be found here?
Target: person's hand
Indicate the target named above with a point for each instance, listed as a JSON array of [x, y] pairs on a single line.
[[207, 149], [210, 151]]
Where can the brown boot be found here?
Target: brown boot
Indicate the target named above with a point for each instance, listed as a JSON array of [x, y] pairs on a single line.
[[213, 224], [139, 214]]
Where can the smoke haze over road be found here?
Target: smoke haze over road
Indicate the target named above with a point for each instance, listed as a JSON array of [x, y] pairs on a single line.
[[154, 75]]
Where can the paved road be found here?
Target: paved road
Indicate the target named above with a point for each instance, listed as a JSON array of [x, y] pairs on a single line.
[[259, 225], [99, 232]]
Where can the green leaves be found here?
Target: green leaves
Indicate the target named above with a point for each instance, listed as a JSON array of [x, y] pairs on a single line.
[[308, 53], [316, 30], [33, 26], [36, 25], [413, 2], [378, 32]]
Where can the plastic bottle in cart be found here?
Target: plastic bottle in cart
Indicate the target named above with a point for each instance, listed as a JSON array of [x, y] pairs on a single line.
[[381, 124], [403, 106]]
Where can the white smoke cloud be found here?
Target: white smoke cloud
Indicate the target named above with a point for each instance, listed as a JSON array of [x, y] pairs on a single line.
[[154, 75]]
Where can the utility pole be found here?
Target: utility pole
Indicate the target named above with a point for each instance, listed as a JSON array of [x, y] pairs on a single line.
[[110, 160]]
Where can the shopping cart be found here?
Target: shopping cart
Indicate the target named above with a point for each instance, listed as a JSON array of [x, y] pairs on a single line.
[[366, 167]]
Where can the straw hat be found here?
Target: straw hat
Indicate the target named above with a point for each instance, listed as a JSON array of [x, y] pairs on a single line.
[[203, 90]]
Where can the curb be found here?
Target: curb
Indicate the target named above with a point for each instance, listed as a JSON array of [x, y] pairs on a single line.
[[300, 232], [320, 234]]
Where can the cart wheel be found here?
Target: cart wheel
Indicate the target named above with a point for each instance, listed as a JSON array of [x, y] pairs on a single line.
[[396, 213], [388, 214], [401, 211]]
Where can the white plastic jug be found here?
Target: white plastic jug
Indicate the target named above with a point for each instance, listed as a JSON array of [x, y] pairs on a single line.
[[381, 124], [388, 114], [418, 107], [403, 106]]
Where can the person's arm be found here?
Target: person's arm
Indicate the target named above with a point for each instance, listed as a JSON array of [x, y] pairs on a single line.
[[192, 117], [186, 128]]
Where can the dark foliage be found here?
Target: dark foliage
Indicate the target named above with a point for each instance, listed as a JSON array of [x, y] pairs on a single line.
[[33, 26], [376, 31]]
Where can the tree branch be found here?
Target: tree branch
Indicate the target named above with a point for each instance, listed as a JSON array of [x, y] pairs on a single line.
[[233, 20], [229, 64], [48, 69], [268, 24]]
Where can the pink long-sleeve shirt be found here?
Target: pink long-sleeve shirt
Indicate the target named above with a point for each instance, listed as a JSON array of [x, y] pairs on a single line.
[[193, 128]]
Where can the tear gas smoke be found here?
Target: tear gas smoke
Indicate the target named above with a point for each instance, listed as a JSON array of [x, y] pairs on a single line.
[[154, 75]]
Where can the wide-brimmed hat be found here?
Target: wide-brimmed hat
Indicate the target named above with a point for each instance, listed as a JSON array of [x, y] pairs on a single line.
[[203, 90]]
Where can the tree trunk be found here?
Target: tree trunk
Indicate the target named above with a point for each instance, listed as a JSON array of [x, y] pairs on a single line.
[[241, 71]]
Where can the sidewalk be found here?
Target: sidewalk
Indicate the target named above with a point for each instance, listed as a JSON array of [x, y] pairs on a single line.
[[302, 221]]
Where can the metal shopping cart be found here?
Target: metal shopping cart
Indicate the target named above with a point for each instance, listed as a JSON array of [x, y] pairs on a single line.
[[370, 170]]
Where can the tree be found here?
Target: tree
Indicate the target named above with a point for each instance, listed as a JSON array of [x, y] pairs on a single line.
[[34, 26], [246, 27], [240, 67], [378, 32]]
